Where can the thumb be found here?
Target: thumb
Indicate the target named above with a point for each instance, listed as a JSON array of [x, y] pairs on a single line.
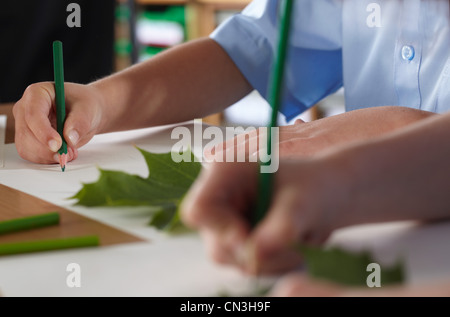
[[82, 122], [80, 127]]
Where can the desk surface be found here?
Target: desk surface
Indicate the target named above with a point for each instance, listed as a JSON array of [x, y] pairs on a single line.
[[159, 265], [15, 204], [165, 265]]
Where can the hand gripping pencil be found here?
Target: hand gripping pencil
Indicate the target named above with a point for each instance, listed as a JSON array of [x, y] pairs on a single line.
[[58, 68]]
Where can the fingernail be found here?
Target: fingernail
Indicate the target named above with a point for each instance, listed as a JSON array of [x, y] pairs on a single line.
[[53, 145], [56, 158], [74, 137]]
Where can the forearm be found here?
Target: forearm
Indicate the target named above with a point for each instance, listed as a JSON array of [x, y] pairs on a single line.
[[367, 123], [186, 82], [403, 175]]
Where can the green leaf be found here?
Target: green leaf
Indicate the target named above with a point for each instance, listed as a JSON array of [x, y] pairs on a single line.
[[333, 265], [164, 188], [164, 170], [343, 267], [168, 219], [163, 217]]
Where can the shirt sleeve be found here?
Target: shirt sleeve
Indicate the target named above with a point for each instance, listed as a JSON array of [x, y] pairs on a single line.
[[314, 61]]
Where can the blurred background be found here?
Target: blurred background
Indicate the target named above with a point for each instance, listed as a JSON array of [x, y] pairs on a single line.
[[114, 35], [28, 29], [159, 24]]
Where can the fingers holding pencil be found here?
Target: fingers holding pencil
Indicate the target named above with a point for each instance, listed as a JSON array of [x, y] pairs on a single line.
[[36, 137]]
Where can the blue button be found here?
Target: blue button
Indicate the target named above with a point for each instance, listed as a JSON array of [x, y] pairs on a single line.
[[408, 53]]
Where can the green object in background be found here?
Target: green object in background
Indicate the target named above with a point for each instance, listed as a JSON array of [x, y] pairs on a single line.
[[150, 51], [122, 13], [164, 188], [48, 245], [123, 47], [343, 267], [156, 14], [28, 223]]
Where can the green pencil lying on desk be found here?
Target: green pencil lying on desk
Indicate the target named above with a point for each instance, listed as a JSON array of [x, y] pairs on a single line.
[[58, 69], [48, 245], [35, 222], [28, 223], [276, 84]]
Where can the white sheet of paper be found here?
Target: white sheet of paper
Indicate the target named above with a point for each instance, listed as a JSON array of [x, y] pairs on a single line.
[[2, 138], [162, 266], [114, 151], [165, 265]]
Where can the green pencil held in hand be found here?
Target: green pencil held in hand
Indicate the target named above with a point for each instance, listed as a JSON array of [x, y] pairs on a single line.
[[28, 223], [276, 84], [58, 68]]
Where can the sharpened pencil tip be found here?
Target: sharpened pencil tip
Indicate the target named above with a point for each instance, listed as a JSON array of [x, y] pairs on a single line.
[[63, 161]]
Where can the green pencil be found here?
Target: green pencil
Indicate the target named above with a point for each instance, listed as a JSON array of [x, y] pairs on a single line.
[[58, 69], [276, 84], [48, 245], [28, 223]]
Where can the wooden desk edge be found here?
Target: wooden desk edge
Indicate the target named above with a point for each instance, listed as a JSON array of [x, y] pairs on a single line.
[[17, 204]]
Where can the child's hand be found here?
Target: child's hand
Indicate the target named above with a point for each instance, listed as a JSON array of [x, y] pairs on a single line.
[[223, 199], [307, 139], [36, 137]]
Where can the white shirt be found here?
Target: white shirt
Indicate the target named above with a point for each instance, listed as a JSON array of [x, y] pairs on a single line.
[[384, 52]]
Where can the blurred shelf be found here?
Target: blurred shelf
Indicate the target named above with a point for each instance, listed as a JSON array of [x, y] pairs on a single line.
[[202, 13], [201, 18]]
